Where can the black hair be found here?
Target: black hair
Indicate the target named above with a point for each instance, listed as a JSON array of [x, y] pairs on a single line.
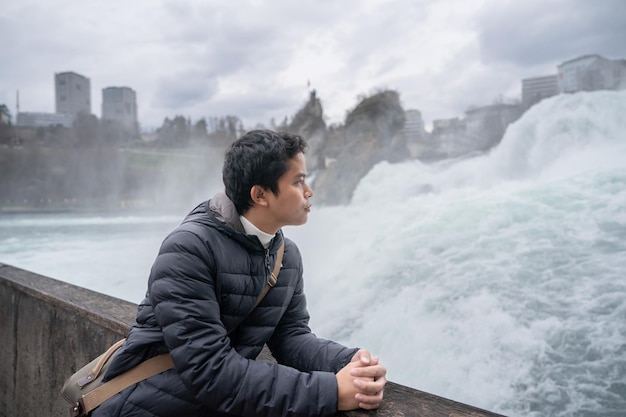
[[259, 157]]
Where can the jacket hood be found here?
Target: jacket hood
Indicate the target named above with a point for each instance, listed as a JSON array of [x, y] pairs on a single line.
[[223, 209]]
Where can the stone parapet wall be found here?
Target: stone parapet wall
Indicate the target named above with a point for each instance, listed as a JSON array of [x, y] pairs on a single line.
[[49, 328]]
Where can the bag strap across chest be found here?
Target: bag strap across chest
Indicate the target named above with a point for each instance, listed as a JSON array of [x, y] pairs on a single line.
[[84, 400]]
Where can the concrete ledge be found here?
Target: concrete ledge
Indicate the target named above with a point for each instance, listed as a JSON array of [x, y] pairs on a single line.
[[50, 328]]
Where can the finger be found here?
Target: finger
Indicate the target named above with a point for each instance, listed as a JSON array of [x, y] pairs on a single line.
[[362, 356], [367, 406], [372, 371], [370, 387], [369, 401]]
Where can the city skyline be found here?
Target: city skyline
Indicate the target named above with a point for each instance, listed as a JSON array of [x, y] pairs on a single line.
[[584, 73], [259, 62]]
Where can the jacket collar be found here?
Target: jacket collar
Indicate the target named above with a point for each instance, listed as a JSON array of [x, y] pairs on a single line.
[[220, 212]]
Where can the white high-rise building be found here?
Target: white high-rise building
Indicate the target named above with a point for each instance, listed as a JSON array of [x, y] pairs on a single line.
[[72, 93], [119, 104], [414, 131], [536, 89], [591, 72], [413, 123]]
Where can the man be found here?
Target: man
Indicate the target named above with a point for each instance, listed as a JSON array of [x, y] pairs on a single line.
[[200, 302]]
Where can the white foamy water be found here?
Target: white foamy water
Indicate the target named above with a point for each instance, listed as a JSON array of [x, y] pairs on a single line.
[[498, 281]]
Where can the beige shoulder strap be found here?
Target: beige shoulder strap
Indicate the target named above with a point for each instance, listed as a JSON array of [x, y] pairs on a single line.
[[140, 372], [273, 278]]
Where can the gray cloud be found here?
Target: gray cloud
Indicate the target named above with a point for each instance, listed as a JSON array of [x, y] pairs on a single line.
[[181, 90], [253, 59], [536, 32]]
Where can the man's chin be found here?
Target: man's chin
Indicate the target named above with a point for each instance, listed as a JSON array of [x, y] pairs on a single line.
[[301, 221]]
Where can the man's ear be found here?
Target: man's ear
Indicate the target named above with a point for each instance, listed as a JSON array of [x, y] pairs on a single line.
[[259, 195]]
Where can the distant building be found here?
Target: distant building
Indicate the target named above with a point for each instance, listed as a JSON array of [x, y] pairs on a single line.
[[536, 89], [444, 125], [485, 126], [446, 134], [414, 131], [590, 73], [480, 130], [119, 104], [34, 119], [413, 123], [72, 93]]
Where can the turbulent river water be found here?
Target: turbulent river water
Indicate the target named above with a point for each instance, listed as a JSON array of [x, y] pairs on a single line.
[[497, 280]]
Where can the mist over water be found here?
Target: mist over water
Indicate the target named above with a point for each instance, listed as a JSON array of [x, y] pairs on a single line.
[[496, 280]]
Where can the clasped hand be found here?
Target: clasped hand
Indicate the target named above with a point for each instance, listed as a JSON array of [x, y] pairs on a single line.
[[360, 383]]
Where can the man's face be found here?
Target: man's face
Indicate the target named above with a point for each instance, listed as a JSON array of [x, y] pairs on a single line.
[[291, 206]]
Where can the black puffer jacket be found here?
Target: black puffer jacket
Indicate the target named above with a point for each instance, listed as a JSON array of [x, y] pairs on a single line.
[[204, 281]]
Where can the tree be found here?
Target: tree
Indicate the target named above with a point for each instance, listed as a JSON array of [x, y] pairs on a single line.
[[113, 131], [200, 132], [5, 115], [175, 132], [234, 127], [86, 129], [6, 129]]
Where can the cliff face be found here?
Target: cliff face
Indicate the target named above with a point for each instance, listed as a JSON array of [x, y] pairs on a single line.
[[372, 133], [309, 123]]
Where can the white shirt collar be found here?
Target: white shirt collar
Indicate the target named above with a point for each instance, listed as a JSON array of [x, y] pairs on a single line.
[[251, 229]]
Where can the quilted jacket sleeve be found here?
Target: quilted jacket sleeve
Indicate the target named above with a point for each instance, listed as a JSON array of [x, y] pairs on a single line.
[[294, 344], [183, 295]]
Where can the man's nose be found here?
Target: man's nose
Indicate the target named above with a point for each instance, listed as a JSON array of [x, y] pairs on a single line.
[[308, 191]]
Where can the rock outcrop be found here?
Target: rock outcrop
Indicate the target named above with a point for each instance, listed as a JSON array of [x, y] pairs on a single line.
[[372, 133], [309, 123]]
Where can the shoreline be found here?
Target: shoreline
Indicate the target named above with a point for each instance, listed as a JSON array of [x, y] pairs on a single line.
[[34, 210], [9, 211]]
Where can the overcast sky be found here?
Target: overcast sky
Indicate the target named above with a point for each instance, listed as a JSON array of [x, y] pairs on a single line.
[[255, 59]]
